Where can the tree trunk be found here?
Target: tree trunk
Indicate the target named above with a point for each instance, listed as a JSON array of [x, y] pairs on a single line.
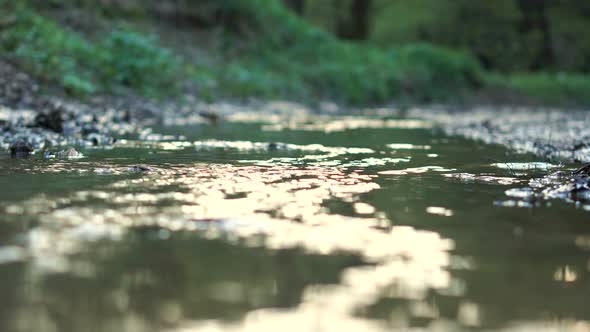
[[360, 11], [355, 25], [298, 6], [534, 17]]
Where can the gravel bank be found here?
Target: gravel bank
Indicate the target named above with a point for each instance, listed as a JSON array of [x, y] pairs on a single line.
[[550, 134]]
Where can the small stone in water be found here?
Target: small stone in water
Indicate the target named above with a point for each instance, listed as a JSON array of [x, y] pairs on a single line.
[[21, 149], [139, 168], [69, 153], [212, 117], [276, 146]]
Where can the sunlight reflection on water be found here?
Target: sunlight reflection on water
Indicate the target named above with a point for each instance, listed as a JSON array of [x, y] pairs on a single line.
[[277, 207]]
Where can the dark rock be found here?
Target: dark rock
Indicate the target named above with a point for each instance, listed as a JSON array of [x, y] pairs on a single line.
[[585, 170], [139, 169], [126, 117], [273, 146], [89, 128], [212, 117], [99, 139], [53, 121], [21, 149]]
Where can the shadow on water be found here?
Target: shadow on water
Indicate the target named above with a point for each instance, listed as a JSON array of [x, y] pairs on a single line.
[[154, 278]]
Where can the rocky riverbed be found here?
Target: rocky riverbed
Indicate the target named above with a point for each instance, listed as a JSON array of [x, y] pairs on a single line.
[[41, 123], [549, 133]]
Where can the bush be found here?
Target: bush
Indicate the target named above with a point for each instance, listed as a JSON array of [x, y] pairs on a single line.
[[50, 52], [131, 59], [291, 58], [430, 72], [82, 67]]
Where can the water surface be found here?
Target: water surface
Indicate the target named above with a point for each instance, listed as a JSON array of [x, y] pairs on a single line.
[[319, 225]]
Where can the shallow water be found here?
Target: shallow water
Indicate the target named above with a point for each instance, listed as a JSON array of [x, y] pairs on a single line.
[[250, 226]]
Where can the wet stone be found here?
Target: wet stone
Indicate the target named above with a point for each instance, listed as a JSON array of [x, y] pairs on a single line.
[[21, 149], [139, 169], [69, 153], [275, 146], [585, 170], [567, 186], [212, 117], [100, 139], [52, 121]]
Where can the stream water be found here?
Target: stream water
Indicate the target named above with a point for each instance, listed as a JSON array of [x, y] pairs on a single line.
[[247, 226]]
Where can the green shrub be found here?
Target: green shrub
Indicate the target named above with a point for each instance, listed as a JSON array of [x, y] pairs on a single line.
[[82, 67], [131, 59], [50, 52], [430, 72], [289, 57]]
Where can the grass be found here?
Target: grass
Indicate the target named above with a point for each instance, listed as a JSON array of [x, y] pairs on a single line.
[[552, 88]]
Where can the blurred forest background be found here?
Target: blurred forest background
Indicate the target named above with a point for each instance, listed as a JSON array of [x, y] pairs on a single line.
[[351, 51]]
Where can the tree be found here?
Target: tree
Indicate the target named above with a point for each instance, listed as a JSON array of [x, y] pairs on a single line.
[[298, 6], [534, 17], [355, 25]]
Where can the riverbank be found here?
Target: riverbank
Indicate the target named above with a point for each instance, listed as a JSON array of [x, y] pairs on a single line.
[[551, 134], [548, 133]]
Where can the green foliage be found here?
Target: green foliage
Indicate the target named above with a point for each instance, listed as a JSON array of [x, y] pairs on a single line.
[[504, 35], [76, 85], [269, 52], [431, 72], [354, 73], [131, 59], [489, 30], [49, 51], [288, 57], [82, 67], [291, 58]]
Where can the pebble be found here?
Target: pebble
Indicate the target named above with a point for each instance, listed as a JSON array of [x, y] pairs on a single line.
[[69, 153], [139, 169]]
